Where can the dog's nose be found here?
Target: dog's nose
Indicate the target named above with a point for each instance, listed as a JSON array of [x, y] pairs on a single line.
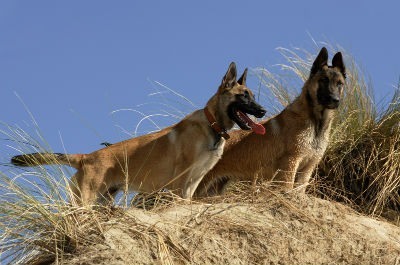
[[261, 112], [335, 98]]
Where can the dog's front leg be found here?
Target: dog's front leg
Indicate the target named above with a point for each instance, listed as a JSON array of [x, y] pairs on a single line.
[[286, 172], [303, 176], [193, 180], [190, 188]]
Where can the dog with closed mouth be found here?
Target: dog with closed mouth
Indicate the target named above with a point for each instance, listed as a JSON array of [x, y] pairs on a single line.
[[294, 142], [175, 158]]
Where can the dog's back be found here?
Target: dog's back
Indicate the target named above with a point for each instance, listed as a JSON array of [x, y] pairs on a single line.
[[175, 158]]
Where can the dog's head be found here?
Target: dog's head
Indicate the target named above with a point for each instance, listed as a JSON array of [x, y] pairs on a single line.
[[326, 83], [237, 100]]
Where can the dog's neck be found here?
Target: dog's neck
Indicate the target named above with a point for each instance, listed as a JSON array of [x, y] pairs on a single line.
[[220, 131], [219, 113], [320, 116]]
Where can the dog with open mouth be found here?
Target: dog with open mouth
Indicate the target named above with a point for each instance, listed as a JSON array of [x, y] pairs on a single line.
[[295, 139], [175, 158]]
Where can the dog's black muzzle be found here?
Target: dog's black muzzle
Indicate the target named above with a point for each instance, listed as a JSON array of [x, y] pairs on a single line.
[[247, 106], [253, 108], [329, 101]]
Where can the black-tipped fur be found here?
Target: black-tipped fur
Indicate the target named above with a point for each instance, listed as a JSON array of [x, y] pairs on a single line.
[[34, 159]]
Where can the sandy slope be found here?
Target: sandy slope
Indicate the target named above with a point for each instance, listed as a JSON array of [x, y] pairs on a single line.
[[270, 229]]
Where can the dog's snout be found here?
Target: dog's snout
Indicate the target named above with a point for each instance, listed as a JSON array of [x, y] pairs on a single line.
[[261, 112], [335, 98]]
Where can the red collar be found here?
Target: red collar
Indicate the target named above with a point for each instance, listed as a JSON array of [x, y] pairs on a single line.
[[214, 125]]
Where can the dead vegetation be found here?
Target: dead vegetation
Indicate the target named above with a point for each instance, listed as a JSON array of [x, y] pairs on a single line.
[[250, 224], [262, 227]]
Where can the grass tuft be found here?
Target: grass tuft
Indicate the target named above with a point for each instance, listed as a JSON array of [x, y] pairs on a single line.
[[361, 165]]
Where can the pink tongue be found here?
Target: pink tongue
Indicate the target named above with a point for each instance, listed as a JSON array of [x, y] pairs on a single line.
[[256, 127]]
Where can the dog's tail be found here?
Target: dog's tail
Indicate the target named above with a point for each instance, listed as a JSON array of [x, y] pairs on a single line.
[[36, 159]]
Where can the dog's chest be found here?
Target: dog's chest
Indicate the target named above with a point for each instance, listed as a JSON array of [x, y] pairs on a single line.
[[312, 144], [208, 156], [217, 148], [209, 150]]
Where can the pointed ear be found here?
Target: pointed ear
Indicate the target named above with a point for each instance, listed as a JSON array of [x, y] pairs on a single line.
[[242, 79], [229, 79], [337, 61], [320, 61]]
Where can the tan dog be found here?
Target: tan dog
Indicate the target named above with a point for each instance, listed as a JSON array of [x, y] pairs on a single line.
[[175, 158], [295, 140]]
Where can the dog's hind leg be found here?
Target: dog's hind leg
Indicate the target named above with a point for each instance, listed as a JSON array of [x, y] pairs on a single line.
[[86, 187], [75, 191], [108, 197]]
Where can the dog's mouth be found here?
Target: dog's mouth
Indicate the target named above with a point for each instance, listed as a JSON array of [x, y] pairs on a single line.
[[333, 102], [328, 102], [238, 113], [332, 105], [326, 98]]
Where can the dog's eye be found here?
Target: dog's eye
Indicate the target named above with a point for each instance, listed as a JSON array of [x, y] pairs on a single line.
[[246, 94], [340, 85], [325, 80]]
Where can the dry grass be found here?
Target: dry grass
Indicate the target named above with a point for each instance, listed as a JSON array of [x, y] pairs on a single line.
[[361, 168], [40, 223], [32, 220], [37, 221], [362, 163], [242, 227]]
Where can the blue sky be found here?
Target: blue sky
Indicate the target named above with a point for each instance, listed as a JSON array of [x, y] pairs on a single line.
[[74, 62]]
